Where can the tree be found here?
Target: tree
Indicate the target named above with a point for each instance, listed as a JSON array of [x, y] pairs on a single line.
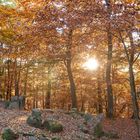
[[109, 64]]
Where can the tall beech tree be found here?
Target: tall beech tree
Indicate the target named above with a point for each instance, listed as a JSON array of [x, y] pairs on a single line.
[[109, 63], [131, 59], [125, 31]]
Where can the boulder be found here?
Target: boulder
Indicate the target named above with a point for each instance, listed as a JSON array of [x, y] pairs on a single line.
[[17, 102], [6, 104], [8, 134], [83, 128], [53, 126], [36, 113], [34, 121], [13, 105], [88, 117], [21, 102], [14, 98], [43, 138], [32, 138], [55, 138]]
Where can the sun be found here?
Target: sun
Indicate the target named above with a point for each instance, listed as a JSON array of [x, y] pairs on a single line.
[[91, 64]]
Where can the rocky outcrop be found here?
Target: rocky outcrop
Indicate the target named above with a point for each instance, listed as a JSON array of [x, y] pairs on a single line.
[[35, 120]]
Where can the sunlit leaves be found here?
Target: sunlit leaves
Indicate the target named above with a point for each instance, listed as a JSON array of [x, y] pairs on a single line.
[[8, 3]]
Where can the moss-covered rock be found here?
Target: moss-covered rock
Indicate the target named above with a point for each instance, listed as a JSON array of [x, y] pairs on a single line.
[[6, 104], [55, 138], [32, 138], [88, 117], [83, 128], [36, 113], [53, 126], [13, 105], [8, 134], [34, 121]]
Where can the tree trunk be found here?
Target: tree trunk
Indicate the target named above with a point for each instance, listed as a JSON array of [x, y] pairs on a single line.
[[132, 83], [100, 107], [25, 81], [69, 71], [48, 94], [72, 85], [9, 81], [130, 58], [134, 98], [108, 68], [17, 78]]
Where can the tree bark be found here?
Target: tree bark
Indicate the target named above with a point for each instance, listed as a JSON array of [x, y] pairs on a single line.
[[134, 98], [25, 81], [48, 94], [17, 78], [109, 66], [69, 70], [72, 85], [132, 84], [131, 60], [9, 81], [100, 107]]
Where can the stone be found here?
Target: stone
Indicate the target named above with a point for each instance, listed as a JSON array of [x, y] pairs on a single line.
[[34, 121], [16, 102], [6, 104], [21, 102], [53, 126], [55, 138], [13, 105], [43, 138], [8, 134], [32, 138], [84, 129], [100, 117], [36, 113], [74, 110], [88, 117], [14, 98]]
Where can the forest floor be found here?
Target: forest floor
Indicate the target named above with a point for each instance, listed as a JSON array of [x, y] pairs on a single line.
[[125, 128]]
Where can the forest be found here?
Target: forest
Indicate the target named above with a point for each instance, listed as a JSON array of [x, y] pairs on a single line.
[[74, 62]]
